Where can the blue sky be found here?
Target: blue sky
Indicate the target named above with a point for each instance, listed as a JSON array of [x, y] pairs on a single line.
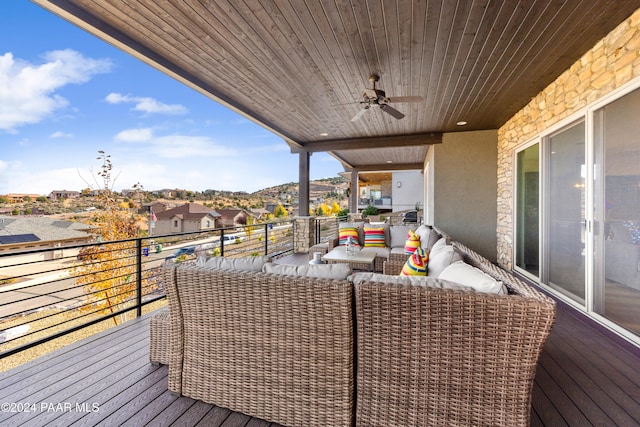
[[64, 95]]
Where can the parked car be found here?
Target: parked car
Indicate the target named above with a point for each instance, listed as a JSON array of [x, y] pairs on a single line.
[[230, 238], [187, 250]]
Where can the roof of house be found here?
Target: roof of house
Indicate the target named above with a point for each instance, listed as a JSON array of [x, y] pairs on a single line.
[[260, 211], [20, 229], [188, 211], [229, 213]]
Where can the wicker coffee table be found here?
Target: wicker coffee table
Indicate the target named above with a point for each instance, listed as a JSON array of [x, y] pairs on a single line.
[[357, 260]]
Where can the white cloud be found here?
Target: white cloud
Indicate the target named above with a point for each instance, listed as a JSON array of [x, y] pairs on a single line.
[[135, 135], [60, 135], [174, 146], [146, 104], [27, 91]]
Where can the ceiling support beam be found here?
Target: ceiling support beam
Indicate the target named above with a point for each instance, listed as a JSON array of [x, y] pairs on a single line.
[[375, 142], [389, 167], [303, 183]]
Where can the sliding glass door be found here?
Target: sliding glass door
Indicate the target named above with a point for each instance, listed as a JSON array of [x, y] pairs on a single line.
[[617, 211], [527, 251], [564, 249], [577, 211]]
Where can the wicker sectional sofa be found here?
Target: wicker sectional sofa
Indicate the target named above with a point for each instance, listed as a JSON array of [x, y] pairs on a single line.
[[303, 351]]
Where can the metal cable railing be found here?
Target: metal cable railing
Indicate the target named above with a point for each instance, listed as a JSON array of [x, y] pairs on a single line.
[[52, 292]]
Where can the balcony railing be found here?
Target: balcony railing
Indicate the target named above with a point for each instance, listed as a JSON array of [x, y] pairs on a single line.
[[50, 293]]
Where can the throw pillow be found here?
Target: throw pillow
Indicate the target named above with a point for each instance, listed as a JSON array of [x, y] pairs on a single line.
[[428, 236], [416, 265], [412, 243], [374, 237], [347, 232], [634, 231], [465, 274], [438, 246], [442, 259], [398, 235]]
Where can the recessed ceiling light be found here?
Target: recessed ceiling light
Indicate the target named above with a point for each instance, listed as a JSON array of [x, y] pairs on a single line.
[[389, 161], [461, 123], [324, 134]]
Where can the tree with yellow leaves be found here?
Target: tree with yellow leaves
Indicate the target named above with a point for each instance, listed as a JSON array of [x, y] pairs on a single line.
[[280, 211], [335, 208], [108, 270]]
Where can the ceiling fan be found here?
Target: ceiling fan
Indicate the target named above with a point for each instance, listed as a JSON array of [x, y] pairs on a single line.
[[376, 98]]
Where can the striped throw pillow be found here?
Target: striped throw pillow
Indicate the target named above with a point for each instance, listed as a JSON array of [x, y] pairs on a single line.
[[374, 237], [412, 243], [416, 265], [347, 232]]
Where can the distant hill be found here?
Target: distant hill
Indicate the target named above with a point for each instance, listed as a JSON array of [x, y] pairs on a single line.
[[317, 188]]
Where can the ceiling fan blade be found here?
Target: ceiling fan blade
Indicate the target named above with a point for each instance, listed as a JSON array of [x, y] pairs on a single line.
[[405, 99], [360, 114], [390, 110]]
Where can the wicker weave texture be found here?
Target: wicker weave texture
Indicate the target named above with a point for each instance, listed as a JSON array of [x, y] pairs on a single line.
[[430, 357], [159, 337], [274, 347]]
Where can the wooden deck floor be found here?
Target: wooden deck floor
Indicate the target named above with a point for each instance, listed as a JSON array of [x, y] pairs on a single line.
[[584, 378]]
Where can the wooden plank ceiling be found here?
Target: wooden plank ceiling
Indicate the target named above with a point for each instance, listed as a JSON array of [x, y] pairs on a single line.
[[300, 67]]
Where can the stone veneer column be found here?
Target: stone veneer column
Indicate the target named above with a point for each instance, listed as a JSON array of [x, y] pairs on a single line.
[[612, 62], [304, 233]]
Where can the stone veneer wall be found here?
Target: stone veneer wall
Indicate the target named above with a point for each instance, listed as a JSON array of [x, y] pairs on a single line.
[[612, 62], [304, 233]]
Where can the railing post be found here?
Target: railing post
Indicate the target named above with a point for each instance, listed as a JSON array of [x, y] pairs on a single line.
[[222, 242], [266, 238], [139, 277]]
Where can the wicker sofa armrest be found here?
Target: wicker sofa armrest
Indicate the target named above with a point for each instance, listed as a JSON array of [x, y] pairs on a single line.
[[275, 347], [439, 357], [392, 268]]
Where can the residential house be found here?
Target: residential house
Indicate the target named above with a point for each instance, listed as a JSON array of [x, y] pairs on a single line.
[[155, 207], [394, 191], [260, 213], [186, 218], [166, 193], [271, 206], [20, 233], [233, 216], [56, 195], [20, 197]]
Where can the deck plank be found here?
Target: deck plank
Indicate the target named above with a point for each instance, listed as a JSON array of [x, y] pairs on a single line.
[[69, 356], [593, 388], [171, 410], [193, 414], [544, 412], [214, 418]]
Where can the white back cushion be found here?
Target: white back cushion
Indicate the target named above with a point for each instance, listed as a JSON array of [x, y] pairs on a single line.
[[468, 275]]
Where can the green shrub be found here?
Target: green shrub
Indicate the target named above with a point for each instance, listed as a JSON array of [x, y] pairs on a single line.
[[370, 210]]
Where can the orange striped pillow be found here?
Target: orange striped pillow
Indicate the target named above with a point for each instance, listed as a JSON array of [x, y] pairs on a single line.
[[345, 233], [374, 237], [412, 243], [416, 265]]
